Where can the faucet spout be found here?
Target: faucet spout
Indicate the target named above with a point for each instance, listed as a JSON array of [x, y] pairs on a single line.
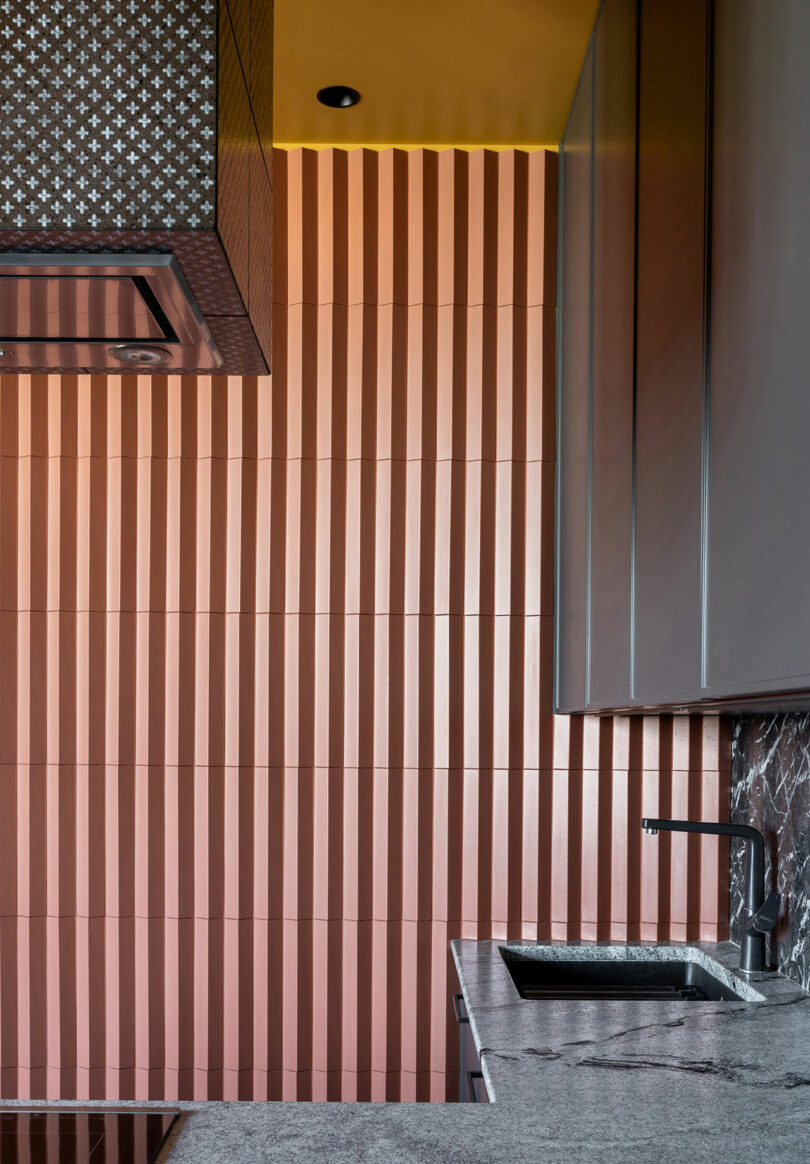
[[760, 915]]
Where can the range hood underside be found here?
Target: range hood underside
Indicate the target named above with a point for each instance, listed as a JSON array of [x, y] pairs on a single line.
[[101, 311]]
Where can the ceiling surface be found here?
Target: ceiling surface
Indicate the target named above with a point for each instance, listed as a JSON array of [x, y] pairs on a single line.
[[431, 72]]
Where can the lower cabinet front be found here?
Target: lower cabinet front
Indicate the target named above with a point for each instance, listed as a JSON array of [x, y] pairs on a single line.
[[471, 1086]]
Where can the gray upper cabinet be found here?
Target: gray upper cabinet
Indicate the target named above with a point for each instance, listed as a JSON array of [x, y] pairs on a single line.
[[672, 132], [573, 413], [758, 546], [630, 516], [611, 437], [684, 402]]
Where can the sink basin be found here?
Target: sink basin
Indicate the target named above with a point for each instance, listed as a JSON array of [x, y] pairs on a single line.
[[672, 976]]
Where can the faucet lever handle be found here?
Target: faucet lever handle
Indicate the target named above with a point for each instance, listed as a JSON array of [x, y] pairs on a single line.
[[766, 916]]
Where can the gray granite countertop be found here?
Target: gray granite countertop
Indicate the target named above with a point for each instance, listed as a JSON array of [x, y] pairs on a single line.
[[668, 1073], [573, 1081]]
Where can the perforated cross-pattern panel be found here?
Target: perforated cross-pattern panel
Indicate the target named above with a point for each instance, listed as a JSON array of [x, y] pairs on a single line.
[[107, 113]]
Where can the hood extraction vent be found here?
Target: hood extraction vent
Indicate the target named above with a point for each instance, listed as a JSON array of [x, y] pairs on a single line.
[[100, 312]]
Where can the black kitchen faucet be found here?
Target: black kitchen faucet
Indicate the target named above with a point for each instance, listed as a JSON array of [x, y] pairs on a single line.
[[761, 913]]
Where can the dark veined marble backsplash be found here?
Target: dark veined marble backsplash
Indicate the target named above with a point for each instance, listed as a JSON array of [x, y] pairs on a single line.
[[770, 789]]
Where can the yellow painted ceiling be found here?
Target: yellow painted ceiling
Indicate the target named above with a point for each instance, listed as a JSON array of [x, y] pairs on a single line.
[[431, 72]]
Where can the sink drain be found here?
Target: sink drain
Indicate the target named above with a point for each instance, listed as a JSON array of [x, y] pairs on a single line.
[[143, 355]]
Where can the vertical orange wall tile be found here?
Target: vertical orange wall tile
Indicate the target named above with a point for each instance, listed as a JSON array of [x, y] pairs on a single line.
[[276, 662]]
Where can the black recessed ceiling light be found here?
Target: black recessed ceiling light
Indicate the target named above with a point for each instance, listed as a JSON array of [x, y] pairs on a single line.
[[338, 96]]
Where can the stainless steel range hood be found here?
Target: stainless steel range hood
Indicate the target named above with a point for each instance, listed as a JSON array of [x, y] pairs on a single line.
[[102, 312]]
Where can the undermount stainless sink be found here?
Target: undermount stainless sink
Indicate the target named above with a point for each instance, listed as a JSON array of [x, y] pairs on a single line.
[[661, 973]]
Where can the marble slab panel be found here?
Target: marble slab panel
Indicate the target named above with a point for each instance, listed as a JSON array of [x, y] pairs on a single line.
[[770, 789]]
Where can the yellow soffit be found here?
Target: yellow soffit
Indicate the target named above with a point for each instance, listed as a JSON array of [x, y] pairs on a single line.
[[436, 73]]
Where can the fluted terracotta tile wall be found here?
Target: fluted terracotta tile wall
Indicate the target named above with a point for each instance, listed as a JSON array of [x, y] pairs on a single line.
[[275, 662]]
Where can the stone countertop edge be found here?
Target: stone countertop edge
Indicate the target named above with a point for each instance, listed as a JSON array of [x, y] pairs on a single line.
[[518, 1039], [573, 1082]]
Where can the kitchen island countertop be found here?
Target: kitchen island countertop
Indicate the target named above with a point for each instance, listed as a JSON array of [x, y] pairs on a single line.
[[573, 1081]]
